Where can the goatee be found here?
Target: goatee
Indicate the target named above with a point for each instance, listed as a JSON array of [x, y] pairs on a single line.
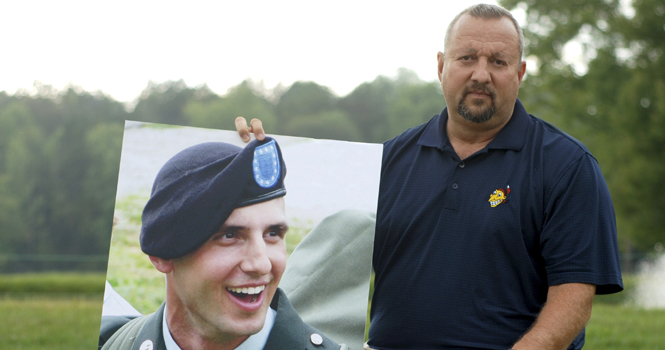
[[482, 115]]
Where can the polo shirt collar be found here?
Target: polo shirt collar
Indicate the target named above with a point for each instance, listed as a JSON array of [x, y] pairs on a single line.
[[511, 137]]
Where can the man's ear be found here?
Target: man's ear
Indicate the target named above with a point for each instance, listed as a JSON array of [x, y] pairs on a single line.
[[439, 58], [521, 71], [162, 265]]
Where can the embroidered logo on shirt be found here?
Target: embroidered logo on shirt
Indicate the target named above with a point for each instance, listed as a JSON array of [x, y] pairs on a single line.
[[499, 196]]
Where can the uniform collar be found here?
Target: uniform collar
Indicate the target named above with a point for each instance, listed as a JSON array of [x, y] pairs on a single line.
[[288, 326], [511, 137], [255, 341]]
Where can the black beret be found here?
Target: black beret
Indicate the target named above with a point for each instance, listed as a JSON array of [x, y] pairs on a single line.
[[196, 191]]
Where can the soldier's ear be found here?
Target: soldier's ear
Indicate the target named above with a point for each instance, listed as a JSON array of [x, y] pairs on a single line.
[[162, 265]]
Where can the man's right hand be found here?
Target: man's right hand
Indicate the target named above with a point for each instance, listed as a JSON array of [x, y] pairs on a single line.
[[255, 126]]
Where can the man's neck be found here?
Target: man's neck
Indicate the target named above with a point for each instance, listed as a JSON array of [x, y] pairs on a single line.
[[467, 137], [192, 342], [188, 336]]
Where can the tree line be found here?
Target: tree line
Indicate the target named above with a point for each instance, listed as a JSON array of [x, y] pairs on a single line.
[[60, 150]]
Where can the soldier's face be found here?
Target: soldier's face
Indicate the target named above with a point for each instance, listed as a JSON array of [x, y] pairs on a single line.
[[225, 287]]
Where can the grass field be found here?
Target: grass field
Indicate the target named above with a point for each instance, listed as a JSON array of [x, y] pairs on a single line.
[[615, 327], [50, 323], [67, 318], [50, 310]]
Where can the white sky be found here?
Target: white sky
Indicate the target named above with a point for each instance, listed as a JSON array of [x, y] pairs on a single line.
[[119, 46]]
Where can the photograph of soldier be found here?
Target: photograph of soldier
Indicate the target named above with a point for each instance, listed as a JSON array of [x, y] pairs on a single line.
[[215, 227]]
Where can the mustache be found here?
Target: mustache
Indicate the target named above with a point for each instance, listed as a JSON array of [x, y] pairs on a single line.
[[476, 86]]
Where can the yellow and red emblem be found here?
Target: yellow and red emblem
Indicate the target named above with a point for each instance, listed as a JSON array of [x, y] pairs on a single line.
[[499, 196]]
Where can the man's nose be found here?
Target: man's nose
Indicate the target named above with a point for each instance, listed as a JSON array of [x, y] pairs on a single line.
[[481, 71], [256, 259]]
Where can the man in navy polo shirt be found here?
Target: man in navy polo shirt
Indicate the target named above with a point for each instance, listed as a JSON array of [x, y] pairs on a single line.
[[494, 229]]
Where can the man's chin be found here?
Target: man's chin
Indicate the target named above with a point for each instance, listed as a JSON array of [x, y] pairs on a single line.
[[247, 326], [478, 111], [253, 326], [476, 115]]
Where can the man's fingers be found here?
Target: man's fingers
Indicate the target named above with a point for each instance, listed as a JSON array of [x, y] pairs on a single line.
[[257, 128], [243, 129]]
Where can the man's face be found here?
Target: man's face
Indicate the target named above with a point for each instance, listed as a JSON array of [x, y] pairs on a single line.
[[224, 289], [481, 72]]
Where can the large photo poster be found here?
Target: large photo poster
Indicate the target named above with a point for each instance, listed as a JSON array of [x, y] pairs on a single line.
[[330, 204]]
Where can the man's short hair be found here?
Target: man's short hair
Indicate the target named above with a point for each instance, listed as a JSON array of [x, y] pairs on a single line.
[[486, 11]]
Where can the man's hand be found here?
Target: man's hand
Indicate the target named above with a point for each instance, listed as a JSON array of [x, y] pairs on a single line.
[[255, 126]]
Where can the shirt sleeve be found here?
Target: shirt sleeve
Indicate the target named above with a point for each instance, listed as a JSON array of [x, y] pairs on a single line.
[[579, 237]]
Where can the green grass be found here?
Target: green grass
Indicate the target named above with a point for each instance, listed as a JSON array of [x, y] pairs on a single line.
[[625, 327], [36, 317], [52, 283], [50, 323], [130, 271]]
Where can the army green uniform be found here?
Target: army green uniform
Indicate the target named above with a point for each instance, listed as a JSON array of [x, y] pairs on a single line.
[[288, 332]]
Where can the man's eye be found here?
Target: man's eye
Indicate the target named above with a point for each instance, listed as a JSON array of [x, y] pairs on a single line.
[[275, 234], [229, 235]]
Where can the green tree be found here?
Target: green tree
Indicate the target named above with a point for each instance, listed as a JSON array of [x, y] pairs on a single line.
[[59, 160], [303, 99], [414, 104], [220, 112], [612, 98], [333, 124], [385, 107], [368, 105], [165, 102]]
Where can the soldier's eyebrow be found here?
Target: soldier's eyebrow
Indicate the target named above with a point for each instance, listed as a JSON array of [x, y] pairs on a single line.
[[231, 229], [281, 227]]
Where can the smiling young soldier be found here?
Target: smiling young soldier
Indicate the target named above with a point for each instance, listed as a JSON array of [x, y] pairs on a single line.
[[494, 230], [215, 226]]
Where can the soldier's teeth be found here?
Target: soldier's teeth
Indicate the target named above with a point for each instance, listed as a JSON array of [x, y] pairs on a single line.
[[247, 290]]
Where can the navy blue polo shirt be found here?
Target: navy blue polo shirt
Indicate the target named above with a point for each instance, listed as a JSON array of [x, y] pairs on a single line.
[[465, 250]]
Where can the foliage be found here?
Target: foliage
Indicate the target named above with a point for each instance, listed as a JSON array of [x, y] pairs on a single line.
[[333, 124], [385, 107], [612, 97], [164, 103], [59, 164], [220, 112], [59, 150]]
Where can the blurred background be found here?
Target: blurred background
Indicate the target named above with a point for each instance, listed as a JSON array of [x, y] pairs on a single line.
[[74, 71]]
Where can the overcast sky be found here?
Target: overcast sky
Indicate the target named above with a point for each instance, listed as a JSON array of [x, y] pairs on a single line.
[[119, 46]]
